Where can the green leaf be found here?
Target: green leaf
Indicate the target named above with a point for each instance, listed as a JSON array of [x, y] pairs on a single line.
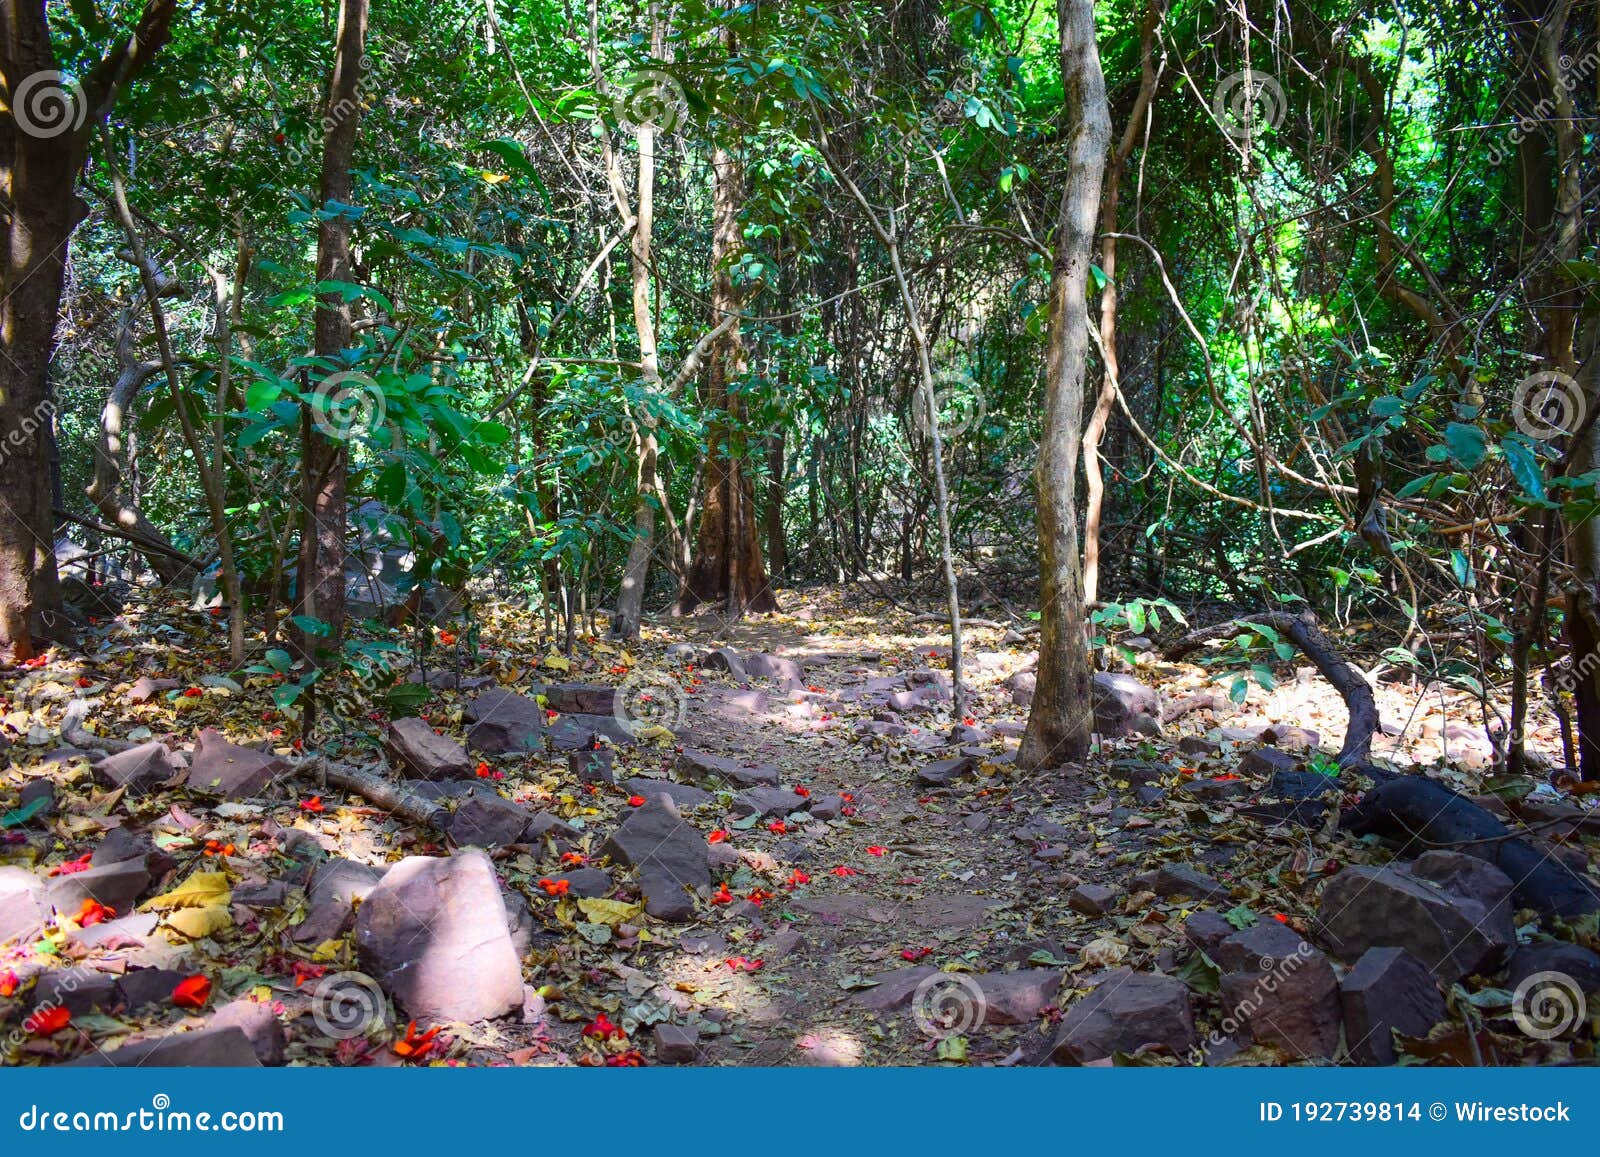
[[1467, 444], [260, 395], [312, 626], [1241, 917], [19, 816], [1525, 467]]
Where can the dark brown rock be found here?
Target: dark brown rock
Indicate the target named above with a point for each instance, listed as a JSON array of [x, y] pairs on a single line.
[[1282, 989], [505, 723], [423, 753], [226, 769], [1388, 989], [1017, 997], [669, 855], [226, 1047], [139, 769], [1126, 1011], [1172, 880], [486, 819], [336, 887], [676, 1044], [1092, 899]]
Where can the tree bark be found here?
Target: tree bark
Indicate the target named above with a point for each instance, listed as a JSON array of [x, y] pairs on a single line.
[[324, 459], [44, 138], [1062, 716]]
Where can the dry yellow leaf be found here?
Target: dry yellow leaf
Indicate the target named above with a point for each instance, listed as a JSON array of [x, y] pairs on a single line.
[[609, 912], [201, 890]]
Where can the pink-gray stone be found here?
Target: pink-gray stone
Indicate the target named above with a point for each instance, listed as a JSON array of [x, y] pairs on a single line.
[[422, 753]]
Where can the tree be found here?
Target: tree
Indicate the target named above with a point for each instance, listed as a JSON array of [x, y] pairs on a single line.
[[1060, 721], [44, 139]]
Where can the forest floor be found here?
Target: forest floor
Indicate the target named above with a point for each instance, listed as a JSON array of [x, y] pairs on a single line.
[[975, 877]]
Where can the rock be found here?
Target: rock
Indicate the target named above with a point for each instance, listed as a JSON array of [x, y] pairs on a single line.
[[144, 986], [586, 883], [767, 801], [782, 945], [1388, 989], [139, 769], [577, 732], [1171, 880], [1123, 705], [505, 723], [520, 924], [258, 1023], [79, 990], [1281, 988], [676, 1044], [268, 894], [145, 688], [785, 671], [592, 765], [943, 772], [543, 825], [1207, 929], [1453, 935], [890, 990], [422, 753], [226, 769], [1017, 997], [1126, 1011], [1470, 877], [684, 797], [36, 789], [1265, 762], [1215, 790], [336, 888], [699, 765], [579, 698], [117, 886], [682, 653], [1024, 685], [486, 819], [124, 843], [1571, 960], [226, 1047], [434, 934], [669, 855], [23, 907], [1287, 735], [1301, 785], [1091, 899], [828, 807], [726, 659]]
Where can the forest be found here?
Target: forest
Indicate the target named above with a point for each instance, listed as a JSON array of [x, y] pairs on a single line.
[[861, 532]]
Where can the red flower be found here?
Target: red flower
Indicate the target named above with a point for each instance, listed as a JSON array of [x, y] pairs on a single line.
[[194, 692], [741, 964], [636, 801], [555, 887], [1280, 917], [192, 992], [1226, 777], [93, 912], [574, 858], [916, 953], [9, 983], [848, 810], [314, 804], [722, 895], [847, 797], [601, 1028], [484, 771], [841, 870], [721, 835], [447, 638], [304, 972], [758, 896], [802, 792], [970, 721], [84, 681], [49, 1021], [81, 864], [778, 826], [876, 850], [797, 877], [412, 1046]]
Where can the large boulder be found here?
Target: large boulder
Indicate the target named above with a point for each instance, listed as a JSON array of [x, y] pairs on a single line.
[[670, 856], [423, 753], [434, 934], [226, 769], [1126, 1011], [504, 723], [1123, 705], [1388, 989], [1455, 935], [1282, 989]]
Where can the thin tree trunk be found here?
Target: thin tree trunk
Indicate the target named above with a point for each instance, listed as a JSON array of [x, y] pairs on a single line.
[[323, 460], [1060, 721]]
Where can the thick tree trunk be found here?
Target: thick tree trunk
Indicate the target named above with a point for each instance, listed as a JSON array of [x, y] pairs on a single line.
[[324, 459], [727, 570], [1062, 716], [44, 135]]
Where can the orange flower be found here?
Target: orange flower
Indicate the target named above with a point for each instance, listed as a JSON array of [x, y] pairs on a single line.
[[484, 771], [636, 801], [722, 895], [9, 983], [555, 887], [841, 870], [876, 850], [778, 826], [314, 804], [574, 858], [797, 877], [448, 638], [742, 964], [414, 1047], [758, 896], [721, 835], [93, 912], [192, 992], [49, 1021]]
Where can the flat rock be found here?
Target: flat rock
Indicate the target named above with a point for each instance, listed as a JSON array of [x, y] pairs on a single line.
[[1123, 705], [139, 769], [226, 769], [1571, 960], [226, 1047], [1017, 997], [786, 672], [685, 797], [576, 732], [145, 688], [700, 765], [434, 934], [586, 883], [1127, 1010], [1171, 880], [144, 986], [505, 723], [23, 904], [79, 990], [117, 886], [259, 1024], [891, 990], [1092, 899], [1207, 929], [486, 819], [1388, 989], [676, 1044], [768, 801], [726, 659], [943, 772], [425, 754], [592, 764], [579, 698], [669, 855]]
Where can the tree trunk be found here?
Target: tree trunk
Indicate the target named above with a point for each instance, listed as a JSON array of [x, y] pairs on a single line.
[[44, 136], [727, 570], [1062, 716], [323, 459]]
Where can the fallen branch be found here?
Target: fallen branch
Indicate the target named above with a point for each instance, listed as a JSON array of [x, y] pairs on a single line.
[[395, 798]]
